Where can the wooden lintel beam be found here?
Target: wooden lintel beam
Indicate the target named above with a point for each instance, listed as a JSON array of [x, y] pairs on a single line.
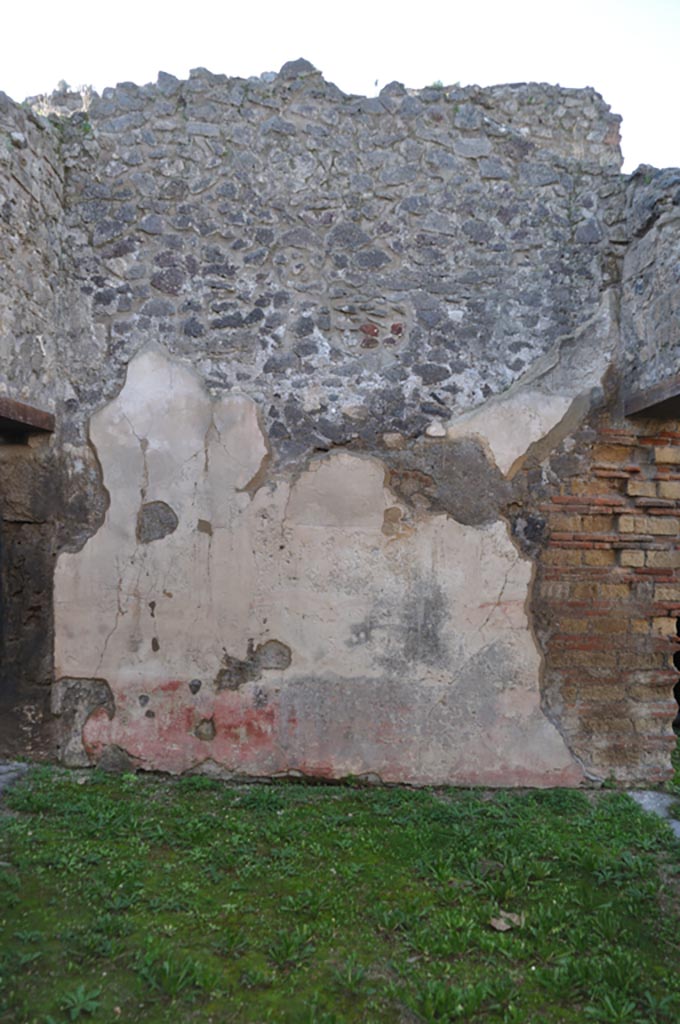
[[660, 400], [19, 418]]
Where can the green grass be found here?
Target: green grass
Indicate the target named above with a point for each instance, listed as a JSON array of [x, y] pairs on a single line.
[[673, 784], [132, 899]]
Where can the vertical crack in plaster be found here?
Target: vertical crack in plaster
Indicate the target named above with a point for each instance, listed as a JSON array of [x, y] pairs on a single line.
[[143, 445], [119, 613], [211, 430]]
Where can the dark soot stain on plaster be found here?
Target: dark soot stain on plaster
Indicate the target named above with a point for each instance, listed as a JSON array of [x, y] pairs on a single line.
[[236, 672]]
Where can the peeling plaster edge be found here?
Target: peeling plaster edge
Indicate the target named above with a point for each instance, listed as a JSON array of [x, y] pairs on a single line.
[[542, 367], [580, 407], [75, 548], [528, 607], [260, 478]]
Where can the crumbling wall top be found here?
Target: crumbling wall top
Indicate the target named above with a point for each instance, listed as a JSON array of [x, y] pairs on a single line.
[[574, 123]]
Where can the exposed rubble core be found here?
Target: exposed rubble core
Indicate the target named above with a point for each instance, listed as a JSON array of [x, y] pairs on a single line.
[[341, 482]]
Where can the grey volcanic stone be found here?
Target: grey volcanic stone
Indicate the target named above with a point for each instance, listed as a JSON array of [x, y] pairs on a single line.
[[155, 520]]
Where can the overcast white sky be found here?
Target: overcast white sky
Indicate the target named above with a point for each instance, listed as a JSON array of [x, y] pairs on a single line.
[[629, 50]]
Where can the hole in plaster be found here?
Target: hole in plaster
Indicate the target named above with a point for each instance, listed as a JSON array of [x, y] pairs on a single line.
[[272, 654], [205, 730]]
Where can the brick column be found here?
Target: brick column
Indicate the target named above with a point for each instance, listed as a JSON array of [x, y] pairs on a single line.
[[608, 599]]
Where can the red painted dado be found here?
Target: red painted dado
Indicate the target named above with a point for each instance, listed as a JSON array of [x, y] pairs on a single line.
[[164, 734], [166, 740]]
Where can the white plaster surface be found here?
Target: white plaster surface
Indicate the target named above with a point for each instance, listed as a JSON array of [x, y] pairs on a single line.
[[509, 425], [411, 655]]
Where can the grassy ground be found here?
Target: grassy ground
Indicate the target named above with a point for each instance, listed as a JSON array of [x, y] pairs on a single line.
[[673, 786], [130, 899]]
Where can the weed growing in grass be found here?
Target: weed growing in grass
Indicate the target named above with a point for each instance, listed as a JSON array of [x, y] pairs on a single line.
[[170, 973], [81, 1001], [232, 942], [351, 975], [616, 1008], [291, 947], [131, 898]]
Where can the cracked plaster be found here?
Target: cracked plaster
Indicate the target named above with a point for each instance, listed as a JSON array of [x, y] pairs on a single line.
[[411, 656]]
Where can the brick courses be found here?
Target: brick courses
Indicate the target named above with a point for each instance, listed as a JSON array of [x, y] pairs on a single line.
[[609, 591]]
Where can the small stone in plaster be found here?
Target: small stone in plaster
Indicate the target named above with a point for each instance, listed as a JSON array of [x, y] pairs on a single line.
[[203, 526], [195, 685], [394, 440], [155, 645], [205, 730], [143, 699], [435, 429], [115, 760], [155, 520], [149, 714]]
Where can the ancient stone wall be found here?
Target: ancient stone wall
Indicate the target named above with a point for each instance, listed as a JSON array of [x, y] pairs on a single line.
[[337, 380], [31, 272], [31, 257], [650, 317]]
